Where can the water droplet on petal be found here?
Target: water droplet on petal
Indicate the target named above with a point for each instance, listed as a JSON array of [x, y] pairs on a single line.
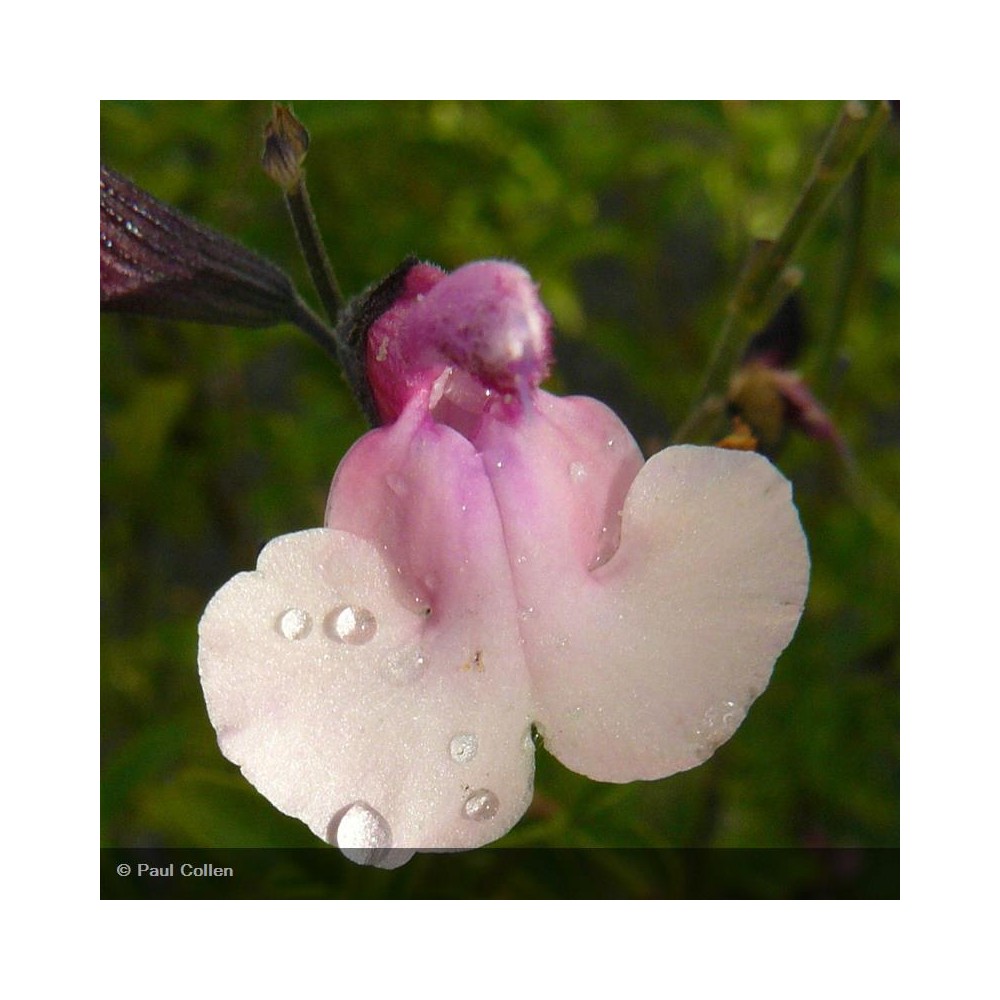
[[463, 747], [577, 472], [500, 465], [352, 624], [482, 804], [611, 442], [294, 623], [406, 666], [362, 833]]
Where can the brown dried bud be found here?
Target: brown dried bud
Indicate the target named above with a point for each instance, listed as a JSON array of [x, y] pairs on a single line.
[[286, 143]]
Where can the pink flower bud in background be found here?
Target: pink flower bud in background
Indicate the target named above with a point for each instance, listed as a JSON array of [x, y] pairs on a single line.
[[496, 558]]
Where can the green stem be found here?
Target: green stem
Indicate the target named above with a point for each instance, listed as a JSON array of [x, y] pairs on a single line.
[[306, 320], [766, 278], [311, 243], [826, 352]]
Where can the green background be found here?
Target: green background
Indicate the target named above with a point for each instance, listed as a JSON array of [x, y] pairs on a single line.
[[634, 217]]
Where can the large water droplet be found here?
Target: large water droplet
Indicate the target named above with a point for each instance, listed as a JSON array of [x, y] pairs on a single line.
[[352, 624], [482, 804], [362, 833], [406, 666], [463, 747], [294, 623]]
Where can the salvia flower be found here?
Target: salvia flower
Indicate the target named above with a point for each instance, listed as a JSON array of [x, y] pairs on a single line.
[[495, 559]]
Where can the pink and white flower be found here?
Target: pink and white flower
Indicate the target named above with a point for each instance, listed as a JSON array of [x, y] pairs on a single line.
[[494, 559]]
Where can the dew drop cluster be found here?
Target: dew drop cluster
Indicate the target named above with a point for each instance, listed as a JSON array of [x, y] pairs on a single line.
[[347, 623]]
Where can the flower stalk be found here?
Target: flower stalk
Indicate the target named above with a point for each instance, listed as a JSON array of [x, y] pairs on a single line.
[[767, 277], [286, 142]]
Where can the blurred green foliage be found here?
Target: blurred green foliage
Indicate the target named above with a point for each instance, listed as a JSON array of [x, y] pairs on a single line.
[[635, 218]]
